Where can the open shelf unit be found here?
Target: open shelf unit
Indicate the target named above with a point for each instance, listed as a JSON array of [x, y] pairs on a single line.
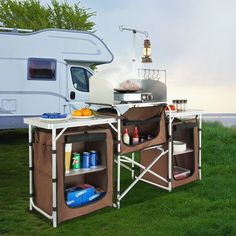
[[177, 168]]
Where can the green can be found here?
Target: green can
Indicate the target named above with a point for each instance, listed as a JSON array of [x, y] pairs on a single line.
[[76, 161]]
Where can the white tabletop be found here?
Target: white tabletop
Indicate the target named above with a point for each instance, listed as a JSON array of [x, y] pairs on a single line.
[[191, 112], [71, 122]]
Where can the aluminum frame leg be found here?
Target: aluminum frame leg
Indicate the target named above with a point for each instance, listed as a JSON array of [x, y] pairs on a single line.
[[30, 169], [54, 179], [118, 161], [200, 147], [132, 165], [170, 140]]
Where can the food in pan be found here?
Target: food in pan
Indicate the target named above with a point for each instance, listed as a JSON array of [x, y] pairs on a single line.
[[129, 85]]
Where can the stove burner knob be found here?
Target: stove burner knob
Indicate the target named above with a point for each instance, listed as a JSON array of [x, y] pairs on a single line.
[[150, 97], [144, 97]]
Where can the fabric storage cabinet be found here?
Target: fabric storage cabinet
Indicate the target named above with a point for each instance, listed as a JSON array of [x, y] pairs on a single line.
[[186, 132], [82, 139], [150, 121], [185, 165]]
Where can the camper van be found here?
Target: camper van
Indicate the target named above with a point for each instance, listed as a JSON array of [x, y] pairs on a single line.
[[46, 71]]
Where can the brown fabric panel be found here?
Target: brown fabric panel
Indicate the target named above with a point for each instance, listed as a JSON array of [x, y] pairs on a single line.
[[161, 166], [71, 181], [190, 160], [186, 161], [41, 136], [177, 121], [43, 191], [98, 179], [42, 158], [150, 129], [65, 212], [43, 178], [142, 113], [42, 174]]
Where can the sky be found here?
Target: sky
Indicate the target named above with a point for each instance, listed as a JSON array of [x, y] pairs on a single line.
[[194, 40]]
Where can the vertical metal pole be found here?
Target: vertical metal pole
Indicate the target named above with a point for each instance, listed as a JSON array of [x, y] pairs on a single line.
[[118, 160], [54, 179], [170, 153], [134, 43], [200, 147], [30, 169], [132, 165]]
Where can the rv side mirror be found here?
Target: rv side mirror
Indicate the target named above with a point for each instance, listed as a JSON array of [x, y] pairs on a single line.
[[72, 95]]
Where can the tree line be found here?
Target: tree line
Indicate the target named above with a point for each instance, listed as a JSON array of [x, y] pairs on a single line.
[[31, 14]]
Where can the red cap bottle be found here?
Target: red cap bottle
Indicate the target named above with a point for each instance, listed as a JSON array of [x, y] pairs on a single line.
[[135, 136]]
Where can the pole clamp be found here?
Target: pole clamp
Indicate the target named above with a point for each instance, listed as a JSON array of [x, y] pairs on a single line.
[[169, 179], [54, 209], [54, 151]]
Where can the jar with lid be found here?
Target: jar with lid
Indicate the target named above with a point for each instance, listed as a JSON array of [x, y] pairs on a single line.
[[185, 105], [178, 105], [181, 105]]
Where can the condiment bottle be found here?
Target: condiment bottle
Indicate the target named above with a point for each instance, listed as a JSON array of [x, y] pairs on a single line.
[[175, 103], [178, 105], [135, 139], [126, 138]]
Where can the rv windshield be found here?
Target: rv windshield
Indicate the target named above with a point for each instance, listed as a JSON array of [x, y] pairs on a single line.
[[80, 77]]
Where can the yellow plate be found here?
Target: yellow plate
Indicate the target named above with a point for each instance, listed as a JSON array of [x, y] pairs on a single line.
[[82, 117]]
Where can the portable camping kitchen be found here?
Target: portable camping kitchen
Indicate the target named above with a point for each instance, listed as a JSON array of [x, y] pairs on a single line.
[[157, 159]]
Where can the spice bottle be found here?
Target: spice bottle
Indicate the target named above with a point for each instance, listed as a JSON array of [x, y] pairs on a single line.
[[175, 104], [135, 139], [185, 105], [126, 138]]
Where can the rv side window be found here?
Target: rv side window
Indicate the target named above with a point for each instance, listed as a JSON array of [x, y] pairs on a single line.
[[80, 78], [41, 69]]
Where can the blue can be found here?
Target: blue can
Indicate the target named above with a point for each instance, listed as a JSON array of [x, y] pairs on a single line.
[[93, 159], [86, 160]]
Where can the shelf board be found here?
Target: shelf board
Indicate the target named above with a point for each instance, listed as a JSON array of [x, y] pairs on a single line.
[[183, 152], [85, 171], [180, 173]]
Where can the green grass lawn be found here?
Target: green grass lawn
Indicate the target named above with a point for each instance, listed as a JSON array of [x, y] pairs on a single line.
[[206, 207]]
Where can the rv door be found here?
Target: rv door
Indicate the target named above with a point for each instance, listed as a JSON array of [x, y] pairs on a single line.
[[78, 86]]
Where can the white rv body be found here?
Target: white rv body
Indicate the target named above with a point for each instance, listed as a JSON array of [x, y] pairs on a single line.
[[62, 55]]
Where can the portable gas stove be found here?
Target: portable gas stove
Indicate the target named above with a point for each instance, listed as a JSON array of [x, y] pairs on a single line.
[[132, 96]]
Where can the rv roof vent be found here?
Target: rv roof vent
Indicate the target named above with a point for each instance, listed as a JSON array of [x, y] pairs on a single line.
[[15, 30]]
